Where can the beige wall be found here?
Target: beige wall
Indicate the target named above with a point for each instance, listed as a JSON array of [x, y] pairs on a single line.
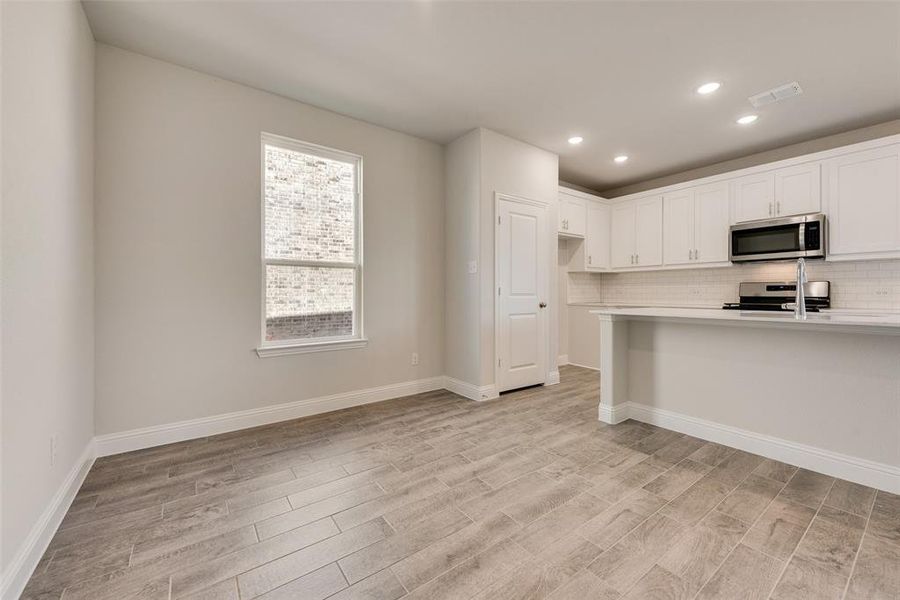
[[178, 246], [463, 185], [480, 164], [760, 158], [47, 249], [512, 167]]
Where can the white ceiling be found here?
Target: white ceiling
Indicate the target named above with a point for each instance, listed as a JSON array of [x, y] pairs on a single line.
[[621, 74]]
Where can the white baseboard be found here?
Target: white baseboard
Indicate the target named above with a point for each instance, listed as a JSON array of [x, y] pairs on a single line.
[[23, 564], [613, 415], [553, 377], [584, 366], [136, 439], [562, 359], [469, 390], [858, 470]]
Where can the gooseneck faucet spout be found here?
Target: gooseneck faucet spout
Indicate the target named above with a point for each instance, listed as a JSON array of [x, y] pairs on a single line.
[[800, 297]]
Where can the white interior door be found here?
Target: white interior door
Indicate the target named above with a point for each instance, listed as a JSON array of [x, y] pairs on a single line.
[[522, 273]]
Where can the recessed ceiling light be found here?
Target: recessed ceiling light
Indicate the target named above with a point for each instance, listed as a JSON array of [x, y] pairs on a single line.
[[621, 158], [747, 119], [576, 139], [709, 88]]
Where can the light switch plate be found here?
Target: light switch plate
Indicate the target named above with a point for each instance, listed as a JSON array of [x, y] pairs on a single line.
[[473, 267]]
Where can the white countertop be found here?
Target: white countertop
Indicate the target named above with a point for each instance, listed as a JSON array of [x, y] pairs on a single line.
[[843, 319]]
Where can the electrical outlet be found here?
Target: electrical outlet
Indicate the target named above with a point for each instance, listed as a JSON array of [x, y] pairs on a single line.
[[54, 447], [881, 292], [415, 359]]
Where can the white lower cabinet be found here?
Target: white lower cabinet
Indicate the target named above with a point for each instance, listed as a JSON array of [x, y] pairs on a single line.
[[863, 203]]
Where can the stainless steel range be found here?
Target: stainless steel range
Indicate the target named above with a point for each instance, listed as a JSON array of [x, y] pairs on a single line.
[[780, 295]]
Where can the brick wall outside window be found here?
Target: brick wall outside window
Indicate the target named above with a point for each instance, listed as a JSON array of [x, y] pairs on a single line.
[[310, 216]]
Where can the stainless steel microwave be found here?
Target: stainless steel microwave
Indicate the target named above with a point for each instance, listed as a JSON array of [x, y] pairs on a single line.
[[778, 239]]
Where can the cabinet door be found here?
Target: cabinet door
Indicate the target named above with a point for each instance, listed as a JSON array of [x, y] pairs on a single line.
[[576, 215], [754, 197], [648, 220], [596, 237], [864, 201], [711, 223], [622, 236], [678, 227], [798, 190]]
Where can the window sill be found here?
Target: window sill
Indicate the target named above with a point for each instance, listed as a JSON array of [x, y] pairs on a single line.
[[295, 348]]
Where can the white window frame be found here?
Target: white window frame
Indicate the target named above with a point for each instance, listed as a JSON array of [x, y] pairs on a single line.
[[302, 345]]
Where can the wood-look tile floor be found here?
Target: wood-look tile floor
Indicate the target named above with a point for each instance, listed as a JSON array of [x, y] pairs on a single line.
[[434, 496]]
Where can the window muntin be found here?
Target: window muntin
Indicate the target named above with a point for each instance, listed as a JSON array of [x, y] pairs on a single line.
[[312, 267]]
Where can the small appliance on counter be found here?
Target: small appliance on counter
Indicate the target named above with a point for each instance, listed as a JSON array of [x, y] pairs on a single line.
[[778, 239], [778, 295]]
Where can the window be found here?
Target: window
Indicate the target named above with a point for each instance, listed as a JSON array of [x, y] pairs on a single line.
[[312, 258]]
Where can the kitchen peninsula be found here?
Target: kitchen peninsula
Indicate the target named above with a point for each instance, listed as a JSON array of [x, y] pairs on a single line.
[[823, 393]]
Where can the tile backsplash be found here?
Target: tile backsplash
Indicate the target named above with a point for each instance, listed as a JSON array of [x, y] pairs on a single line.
[[863, 284]]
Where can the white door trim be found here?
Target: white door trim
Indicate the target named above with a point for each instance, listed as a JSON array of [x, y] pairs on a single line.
[[549, 361]]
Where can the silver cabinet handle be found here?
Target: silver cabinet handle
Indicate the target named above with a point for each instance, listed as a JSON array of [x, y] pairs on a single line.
[[637, 259], [778, 207], [770, 209], [589, 259]]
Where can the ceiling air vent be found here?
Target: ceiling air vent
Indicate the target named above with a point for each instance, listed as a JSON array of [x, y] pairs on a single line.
[[787, 90]]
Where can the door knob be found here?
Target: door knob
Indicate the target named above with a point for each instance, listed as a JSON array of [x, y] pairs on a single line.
[[543, 305]]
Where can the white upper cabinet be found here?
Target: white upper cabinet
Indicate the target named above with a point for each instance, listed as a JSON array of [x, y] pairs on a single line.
[[779, 193], [798, 190], [648, 220], [696, 225], [857, 187], [711, 223], [593, 253], [572, 214], [637, 233], [754, 197], [596, 237], [863, 203], [678, 234], [622, 236]]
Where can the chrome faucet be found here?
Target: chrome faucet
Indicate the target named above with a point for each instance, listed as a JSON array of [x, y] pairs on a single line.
[[800, 297], [799, 303]]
